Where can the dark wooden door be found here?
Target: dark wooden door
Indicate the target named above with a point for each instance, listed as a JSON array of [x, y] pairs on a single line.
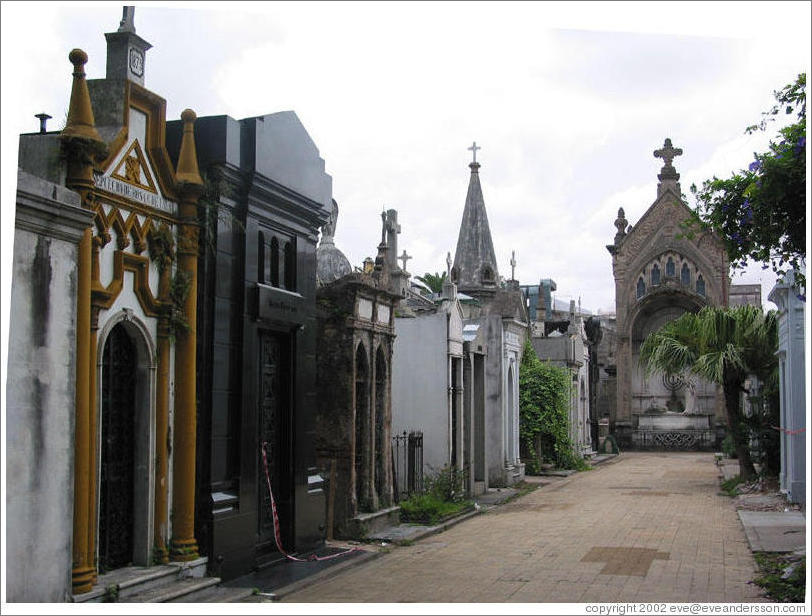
[[119, 365], [274, 429]]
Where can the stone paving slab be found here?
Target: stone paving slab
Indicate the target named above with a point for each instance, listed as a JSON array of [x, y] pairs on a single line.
[[774, 531], [648, 527]]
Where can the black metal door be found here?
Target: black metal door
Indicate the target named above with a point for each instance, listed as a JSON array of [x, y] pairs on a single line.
[[117, 451], [274, 429]]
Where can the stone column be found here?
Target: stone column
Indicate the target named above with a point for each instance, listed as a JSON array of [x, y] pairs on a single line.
[[162, 429], [190, 187], [82, 147]]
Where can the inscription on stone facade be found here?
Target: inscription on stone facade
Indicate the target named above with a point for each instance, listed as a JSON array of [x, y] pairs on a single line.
[[117, 187], [383, 314]]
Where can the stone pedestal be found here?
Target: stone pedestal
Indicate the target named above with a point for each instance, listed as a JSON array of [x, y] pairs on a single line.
[[673, 431]]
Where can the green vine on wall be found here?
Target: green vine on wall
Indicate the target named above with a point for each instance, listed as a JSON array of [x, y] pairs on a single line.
[[163, 252], [544, 397]]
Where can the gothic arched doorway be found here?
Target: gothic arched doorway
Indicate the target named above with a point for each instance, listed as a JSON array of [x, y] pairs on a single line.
[[118, 437], [361, 429], [380, 431]]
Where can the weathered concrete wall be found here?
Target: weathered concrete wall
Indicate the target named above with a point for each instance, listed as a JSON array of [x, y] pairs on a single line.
[[40, 392], [420, 384]]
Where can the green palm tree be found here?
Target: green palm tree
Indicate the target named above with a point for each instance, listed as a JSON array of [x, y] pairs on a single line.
[[723, 346], [433, 281]]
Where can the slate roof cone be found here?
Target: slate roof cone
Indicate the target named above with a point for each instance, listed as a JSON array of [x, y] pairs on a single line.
[[474, 260]]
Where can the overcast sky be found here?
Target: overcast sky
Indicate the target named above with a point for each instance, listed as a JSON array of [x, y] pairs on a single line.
[[567, 101]]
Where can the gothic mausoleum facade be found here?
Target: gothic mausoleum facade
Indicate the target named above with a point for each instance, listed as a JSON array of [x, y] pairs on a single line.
[[661, 273], [125, 454], [356, 331]]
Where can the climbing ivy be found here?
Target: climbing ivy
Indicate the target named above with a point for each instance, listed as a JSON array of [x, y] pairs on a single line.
[[544, 394]]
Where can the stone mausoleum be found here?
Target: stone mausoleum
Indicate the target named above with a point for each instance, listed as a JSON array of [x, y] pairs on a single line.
[[660, 273], [356, 332]]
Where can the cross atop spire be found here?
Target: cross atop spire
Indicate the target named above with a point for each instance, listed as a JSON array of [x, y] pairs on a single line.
[[513, 265], [473, 149], [667, 153]]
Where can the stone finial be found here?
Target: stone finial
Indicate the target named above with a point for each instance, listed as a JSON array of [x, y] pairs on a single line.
[[81, 122], [187, 171], [513, 265], [620, 223], [668, 153]]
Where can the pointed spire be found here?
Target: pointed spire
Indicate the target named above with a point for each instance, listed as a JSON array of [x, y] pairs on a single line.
[[187, 171], [475, 261], [80, 121]]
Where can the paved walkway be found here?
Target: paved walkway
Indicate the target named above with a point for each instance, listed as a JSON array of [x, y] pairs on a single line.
[[644, 527]]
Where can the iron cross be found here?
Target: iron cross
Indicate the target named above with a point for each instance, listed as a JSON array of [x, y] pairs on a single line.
[[404, 257], [473, 149], [513, 265], [668, 152]]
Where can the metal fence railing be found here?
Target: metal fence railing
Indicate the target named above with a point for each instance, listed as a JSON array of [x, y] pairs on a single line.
[[407, 464]]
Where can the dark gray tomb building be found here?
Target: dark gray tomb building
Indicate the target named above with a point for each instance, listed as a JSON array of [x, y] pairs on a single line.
[[266, 196]]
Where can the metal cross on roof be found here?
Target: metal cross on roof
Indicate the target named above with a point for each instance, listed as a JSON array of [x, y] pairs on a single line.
[[667, 152], [404, 257], [473, 149], [513, 265]]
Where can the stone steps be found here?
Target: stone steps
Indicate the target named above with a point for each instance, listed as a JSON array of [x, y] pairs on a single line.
[[175, 583]]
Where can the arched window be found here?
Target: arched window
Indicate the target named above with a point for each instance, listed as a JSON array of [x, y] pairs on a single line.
[[487, 274], [685, 275], [655, 275], [670, 270], [261, 278], [361, 429], [700, 285], [641, 288], [290, 266], [274, 262]]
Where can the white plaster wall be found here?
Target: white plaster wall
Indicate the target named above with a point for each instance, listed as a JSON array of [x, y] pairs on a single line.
[[420, 384], [40, 402]]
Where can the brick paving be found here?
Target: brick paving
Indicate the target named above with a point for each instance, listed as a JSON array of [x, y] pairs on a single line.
[[644, 527]]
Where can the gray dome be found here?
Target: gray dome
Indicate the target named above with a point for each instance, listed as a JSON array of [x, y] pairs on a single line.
[[331, 264]]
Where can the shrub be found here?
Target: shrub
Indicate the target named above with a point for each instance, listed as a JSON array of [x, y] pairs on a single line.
[[782, 578], [544, 397]]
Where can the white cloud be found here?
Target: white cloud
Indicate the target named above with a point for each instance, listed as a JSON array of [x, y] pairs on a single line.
[[567, 106]]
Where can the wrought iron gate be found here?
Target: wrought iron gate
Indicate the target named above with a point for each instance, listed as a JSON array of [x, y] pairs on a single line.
[[407, 464]]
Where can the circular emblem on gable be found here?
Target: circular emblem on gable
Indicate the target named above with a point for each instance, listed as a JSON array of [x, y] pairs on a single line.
[[137, 62]]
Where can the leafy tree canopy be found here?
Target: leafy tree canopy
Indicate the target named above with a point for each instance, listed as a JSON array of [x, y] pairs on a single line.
[[433, 281], [760, 212], [723, 346]]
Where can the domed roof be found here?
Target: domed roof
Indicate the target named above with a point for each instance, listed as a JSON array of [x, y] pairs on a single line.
[[331, 264]]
